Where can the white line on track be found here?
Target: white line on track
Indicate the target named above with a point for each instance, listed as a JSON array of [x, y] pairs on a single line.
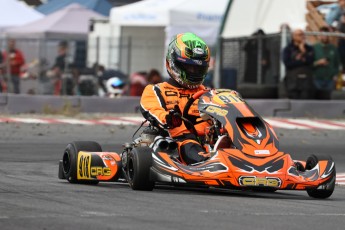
[[29, 120], [316, 124], [284, 125], [115, 122], [74, 121]]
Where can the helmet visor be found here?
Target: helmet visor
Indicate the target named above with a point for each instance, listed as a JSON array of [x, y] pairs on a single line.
[[194, 73]]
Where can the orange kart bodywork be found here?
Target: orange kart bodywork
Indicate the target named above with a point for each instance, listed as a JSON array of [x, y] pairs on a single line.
[[230, 168], [244, 155]]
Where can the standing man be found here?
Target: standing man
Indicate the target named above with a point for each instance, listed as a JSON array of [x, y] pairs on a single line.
[[1, 73], [60, 66], [15, 62], [326, 66], [298, 58]]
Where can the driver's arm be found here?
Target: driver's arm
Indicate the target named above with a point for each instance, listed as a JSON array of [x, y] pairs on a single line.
[[153, 104]]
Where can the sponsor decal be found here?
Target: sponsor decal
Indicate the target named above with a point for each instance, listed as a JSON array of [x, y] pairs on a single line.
[[170, 93], [262, 152], [198, 50], [227, 98], [181, 59], [215, 110], [88, 172], [182, 95], [100, 171], [84, 166], [198, 62], [259, 181], [172, 102]]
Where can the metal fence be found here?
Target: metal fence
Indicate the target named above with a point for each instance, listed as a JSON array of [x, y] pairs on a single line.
[[254, 66], [251, 60], [40, 56]]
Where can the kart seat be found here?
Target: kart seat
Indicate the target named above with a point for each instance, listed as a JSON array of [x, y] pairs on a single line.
[[222, 142]]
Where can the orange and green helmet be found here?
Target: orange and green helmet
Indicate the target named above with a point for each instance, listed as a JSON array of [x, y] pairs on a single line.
[[187, 60]]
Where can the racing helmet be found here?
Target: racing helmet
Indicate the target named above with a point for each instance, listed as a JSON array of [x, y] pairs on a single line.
[[187, 60], [115, 86]]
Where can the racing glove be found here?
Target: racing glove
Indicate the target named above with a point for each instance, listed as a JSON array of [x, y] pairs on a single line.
[[173, 118]]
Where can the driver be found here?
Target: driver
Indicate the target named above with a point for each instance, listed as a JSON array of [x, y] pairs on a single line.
[[187, 62]]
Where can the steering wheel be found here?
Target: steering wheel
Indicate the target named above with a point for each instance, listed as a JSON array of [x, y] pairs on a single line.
[[186, 118]]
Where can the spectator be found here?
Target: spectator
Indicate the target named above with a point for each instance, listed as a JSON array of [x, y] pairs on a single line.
[[16, 61], [341, 41], [2, 65], [86, 81], [326, 66], [104, 75], [298, 58], [154, 77], [334, 10], [115, 87], [60, 67], [138, 82], [254, 45], [61, 59]]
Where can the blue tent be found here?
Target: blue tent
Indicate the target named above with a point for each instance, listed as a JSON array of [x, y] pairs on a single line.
[[100, 6]]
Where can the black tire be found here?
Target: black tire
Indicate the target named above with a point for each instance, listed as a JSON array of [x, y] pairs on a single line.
[[61, 174], [326, 190], [70, 157], [138, 169]]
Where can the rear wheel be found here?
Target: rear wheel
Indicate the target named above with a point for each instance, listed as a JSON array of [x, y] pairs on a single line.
[[325, 190], [70, 158], [138, 168]]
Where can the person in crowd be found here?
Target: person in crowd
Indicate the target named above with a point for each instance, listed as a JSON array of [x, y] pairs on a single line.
[[254, 47], [15, 60], [61, 61], [326, 66], [138, 81], [115, 87], [154, 77], [334, 12], [162, 103], [60, 67], [298, 58], [2, 66], [341, 41], [99, 71]]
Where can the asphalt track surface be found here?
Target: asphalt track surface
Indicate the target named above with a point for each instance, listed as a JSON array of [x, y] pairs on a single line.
[[32, 197]]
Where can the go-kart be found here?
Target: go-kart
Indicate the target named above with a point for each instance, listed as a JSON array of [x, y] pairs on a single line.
[[244, 153]]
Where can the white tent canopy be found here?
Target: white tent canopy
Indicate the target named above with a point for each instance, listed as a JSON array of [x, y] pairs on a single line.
[[247, 16], [15, 13], [71, 22], [154, 22], [202, 17]]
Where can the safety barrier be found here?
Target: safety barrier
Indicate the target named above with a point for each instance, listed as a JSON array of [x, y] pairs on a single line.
[[14, 104]]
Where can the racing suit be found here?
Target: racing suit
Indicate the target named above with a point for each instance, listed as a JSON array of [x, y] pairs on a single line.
[[157, 100]]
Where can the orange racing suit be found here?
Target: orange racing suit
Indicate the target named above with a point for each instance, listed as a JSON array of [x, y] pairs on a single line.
[[157, 100]]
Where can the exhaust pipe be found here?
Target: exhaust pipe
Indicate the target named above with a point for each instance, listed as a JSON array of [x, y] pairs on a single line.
[[165, 143]]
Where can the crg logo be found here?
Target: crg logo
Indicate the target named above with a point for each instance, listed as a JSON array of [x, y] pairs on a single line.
[[259, 181]]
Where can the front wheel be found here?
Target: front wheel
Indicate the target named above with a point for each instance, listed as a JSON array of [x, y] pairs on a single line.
[[138, 169], [325, 190], [70, 158]]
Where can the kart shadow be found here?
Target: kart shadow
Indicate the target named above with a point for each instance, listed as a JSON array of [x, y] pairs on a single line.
[[288, 195], [191, 191]]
